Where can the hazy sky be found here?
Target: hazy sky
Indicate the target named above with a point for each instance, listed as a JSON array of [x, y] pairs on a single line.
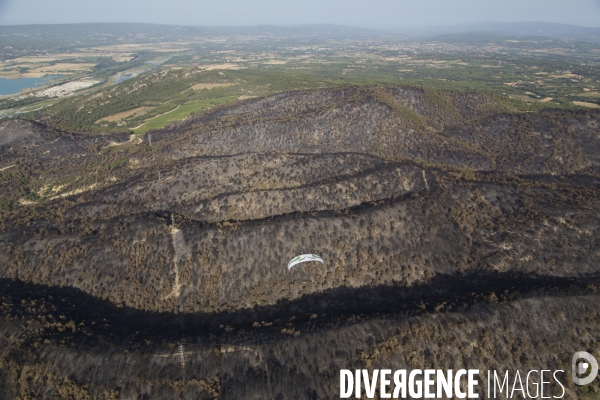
[[366, 13]]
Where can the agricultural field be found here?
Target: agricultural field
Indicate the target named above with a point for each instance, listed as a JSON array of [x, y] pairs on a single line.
[[181, 112]]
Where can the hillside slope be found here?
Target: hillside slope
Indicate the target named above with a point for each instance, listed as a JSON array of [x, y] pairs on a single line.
[[430, 209]]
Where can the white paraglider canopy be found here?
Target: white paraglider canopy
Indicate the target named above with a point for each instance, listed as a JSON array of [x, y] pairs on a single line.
[[304, 258]]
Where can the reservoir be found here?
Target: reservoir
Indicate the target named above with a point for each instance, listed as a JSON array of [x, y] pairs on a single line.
[[13, 86], [125, 77], [134, 74]]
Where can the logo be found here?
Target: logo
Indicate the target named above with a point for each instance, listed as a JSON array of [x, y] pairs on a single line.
[[581, 368]]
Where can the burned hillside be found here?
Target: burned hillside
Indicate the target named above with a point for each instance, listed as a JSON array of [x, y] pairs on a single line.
[[439, 215]]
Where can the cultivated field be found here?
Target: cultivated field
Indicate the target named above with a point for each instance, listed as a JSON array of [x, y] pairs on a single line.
[[181, 112]]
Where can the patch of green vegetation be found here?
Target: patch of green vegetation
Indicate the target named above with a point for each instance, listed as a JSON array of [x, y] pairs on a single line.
[[6, 104], [14, 178], [120, 147], [439, 98], [595, 95], [7, 204], [181, 112], [408, 114], [113, 164], [466, 173], [29, 194]]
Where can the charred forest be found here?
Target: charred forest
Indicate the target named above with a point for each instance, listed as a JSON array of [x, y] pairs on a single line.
[[455, 231]]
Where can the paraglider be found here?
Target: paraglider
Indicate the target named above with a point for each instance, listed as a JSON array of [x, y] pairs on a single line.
[[304, 258]]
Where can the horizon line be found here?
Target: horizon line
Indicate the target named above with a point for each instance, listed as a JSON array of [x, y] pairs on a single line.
[[304, 24]]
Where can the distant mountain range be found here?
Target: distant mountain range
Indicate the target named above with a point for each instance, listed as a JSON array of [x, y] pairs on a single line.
[[144, 32], [548, 29]]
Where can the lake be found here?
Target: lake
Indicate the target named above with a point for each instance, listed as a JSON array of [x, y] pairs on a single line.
[[13, 86]]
